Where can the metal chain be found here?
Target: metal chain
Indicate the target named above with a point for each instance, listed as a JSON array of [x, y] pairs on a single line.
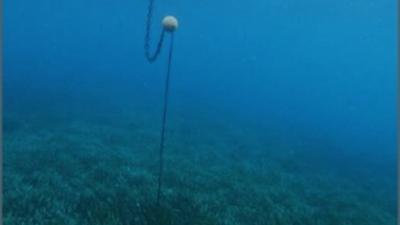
[[152, 57]]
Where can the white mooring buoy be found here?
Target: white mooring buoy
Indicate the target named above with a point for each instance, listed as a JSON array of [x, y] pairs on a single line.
[[170, 23]]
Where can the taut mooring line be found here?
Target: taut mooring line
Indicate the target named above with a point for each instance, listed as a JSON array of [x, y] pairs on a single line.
[[170, 24], [164, 117]]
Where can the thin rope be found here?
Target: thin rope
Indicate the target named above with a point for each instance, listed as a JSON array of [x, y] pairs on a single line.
[[152, 58], [164, 118]]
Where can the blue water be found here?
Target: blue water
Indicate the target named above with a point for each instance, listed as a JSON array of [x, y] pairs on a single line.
[[281, 112]]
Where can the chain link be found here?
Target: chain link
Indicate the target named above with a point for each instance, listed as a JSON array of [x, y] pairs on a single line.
[[152, 57]]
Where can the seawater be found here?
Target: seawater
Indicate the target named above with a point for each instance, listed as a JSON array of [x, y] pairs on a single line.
[[280, 112]]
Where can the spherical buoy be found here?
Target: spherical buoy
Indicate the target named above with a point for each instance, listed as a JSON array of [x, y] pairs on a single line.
[[170, 23]]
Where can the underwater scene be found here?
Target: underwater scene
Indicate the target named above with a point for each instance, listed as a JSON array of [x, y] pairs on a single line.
[[257, 112]]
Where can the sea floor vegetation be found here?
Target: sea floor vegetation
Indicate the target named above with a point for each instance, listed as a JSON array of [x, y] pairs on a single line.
[[104, 171]]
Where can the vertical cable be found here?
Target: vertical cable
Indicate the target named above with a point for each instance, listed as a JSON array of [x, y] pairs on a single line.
[[164, 118], [152, 57]]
